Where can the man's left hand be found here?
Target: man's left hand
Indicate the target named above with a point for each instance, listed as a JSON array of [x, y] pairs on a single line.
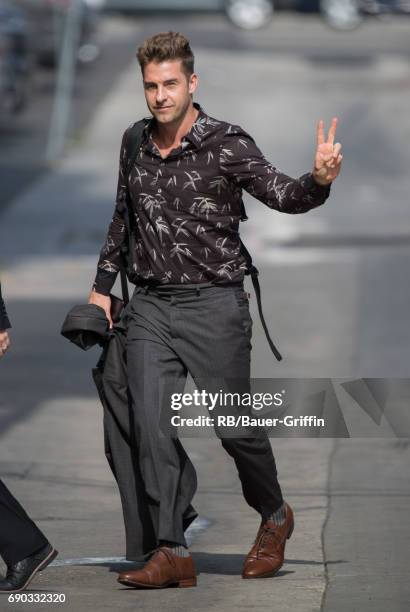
[[328, 158]]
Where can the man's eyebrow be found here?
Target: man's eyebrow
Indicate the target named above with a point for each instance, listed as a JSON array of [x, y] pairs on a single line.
[[174, 80]]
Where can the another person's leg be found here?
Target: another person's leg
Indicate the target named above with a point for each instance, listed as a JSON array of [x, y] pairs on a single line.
[[23, 546]]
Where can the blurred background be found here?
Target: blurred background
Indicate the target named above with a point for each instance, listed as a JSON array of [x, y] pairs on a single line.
[[335, 285]]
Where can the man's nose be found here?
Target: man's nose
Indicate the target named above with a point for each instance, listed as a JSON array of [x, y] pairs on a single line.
[[161, 95]]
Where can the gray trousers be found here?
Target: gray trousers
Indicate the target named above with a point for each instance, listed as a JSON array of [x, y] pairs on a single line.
[[204, 330]]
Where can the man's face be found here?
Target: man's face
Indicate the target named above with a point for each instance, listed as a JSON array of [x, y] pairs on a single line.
[[168, 90]]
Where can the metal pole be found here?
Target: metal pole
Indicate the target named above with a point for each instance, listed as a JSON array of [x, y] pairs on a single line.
[[61, 111]]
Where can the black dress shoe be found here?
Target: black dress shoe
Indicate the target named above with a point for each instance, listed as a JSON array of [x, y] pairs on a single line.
[[21, 573]]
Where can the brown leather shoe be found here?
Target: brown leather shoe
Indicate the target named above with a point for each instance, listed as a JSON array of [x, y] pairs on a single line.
[[267, 553], [164, 569]]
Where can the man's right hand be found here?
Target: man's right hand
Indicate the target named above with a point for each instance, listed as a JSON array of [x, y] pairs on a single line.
[[104, 301]]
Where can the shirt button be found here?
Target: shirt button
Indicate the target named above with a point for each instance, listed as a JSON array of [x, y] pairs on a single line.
[[160, 190]]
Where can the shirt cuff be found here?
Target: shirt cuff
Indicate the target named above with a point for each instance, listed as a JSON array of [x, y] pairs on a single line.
[[311, 186], [104, 281]]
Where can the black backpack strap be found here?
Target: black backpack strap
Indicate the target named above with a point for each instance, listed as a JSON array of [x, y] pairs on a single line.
[[254, 272], [244, 216], [132, 144], [124, 284]]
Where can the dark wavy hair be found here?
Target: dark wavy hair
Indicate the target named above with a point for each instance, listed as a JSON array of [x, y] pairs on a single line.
[[166, 46]]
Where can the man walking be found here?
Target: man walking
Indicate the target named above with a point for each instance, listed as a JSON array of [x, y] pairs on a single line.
[[24, 548], [189, 311]]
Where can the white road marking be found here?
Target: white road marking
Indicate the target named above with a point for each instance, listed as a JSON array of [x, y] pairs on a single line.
[[197, 527]]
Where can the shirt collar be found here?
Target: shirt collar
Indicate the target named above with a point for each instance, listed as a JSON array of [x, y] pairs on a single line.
[[194, 136]]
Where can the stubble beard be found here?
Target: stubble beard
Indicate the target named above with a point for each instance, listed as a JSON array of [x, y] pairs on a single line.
[[174, 116]]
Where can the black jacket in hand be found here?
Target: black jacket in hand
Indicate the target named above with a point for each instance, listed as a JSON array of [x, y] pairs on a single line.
[[86, 326]]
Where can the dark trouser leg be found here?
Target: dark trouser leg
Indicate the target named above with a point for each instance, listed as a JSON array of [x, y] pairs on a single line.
[[256, 467], [212, 336], [124, 464], [19, 536], [151, 361]]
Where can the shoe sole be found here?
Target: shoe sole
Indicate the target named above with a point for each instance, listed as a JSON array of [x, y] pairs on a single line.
[[42, 565], [268, 575], [187, 582], [273, 572]]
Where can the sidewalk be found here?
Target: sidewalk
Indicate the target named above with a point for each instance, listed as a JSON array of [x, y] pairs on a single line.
[[62, 476]]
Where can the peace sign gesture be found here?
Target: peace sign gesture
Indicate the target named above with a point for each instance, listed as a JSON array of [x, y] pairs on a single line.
[[328, 159]]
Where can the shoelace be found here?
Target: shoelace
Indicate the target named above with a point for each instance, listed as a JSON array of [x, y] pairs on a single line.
[[167, 553], [267, 534]]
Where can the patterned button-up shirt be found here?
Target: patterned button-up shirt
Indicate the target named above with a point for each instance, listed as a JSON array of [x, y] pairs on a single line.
[[187, 207]]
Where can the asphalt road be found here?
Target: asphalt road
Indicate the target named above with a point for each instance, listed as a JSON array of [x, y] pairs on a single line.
[[336, 297]]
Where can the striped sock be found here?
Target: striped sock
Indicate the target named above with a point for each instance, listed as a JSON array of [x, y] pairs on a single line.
[[279, 516], [177, 549]]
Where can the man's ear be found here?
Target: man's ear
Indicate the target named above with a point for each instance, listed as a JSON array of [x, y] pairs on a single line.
[[193, 83]]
